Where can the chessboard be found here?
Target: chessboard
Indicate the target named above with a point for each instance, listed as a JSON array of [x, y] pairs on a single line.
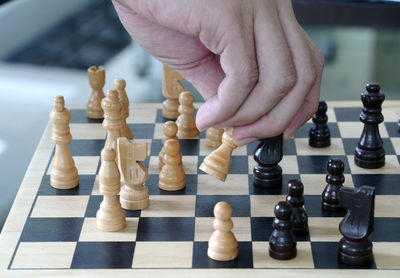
[[52, 232]]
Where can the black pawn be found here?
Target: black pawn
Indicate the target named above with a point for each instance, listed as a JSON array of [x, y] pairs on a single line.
[[358, 224], [282, 243], [319, 135], [267, 172], [370, 153], [335, 180], [295, 199]]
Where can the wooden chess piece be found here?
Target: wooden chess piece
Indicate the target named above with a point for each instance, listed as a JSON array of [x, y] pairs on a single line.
[[172, 176], [110, 216], [63, 173], [222, 245], [320, 135], [134, 194], [295, 199], [335, 180], [369, 152], [112, 118], [267, 173], [218, 162], [186, 121], [119, 85], [214, 137], [171, 88], [282, 243], [358, 224], [169, 129], [97, 77]]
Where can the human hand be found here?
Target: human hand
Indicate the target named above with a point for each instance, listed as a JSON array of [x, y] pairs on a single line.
[[250, 60]]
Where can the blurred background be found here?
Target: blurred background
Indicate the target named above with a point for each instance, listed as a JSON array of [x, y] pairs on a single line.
[[46, 47]]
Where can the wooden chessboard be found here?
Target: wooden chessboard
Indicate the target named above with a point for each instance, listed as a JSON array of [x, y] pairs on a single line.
[[53, 232]]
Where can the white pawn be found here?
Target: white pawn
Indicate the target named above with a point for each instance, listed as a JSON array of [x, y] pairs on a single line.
[[214, 137], [222, 245], [110, 216], [63, 173], [172, 176], [186, 121], [119, 85], [170, 129]]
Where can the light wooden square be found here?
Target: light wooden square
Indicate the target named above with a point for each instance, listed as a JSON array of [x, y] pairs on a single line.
[[235, 184], [163, 254], [60, 206], [324, 228], [44, 255], [204, 150], [189, 164], [391, 114], [331, 115], [90, 232], [264, 205], [86, 165], [387, 255], [288, 164], [354, 129], [261, 258], [170, 206], [303, 148], [391, 166], [387, 205], [141, 116], [87, 131], [204, 228], [396, 145], [158, 131], [96, 186], [314, 184]]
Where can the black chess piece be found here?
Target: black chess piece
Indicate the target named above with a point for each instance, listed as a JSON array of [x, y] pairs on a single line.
[[295, 199], [282, 243], [358, 224], [369, 152], [335, 180], [320, 135], [267, 172]]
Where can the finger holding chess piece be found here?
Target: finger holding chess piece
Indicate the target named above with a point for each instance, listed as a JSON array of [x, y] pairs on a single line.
[[222, 245], [218, 162], [63, 173], [97, 76], [170, 130], [119, 85], [172, 176], [110, 217]]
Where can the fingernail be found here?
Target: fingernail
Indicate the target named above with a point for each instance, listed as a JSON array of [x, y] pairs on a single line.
[[287, 137], [245, 141]]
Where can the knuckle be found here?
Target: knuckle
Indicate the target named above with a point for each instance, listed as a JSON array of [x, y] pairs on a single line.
[[284, 83]]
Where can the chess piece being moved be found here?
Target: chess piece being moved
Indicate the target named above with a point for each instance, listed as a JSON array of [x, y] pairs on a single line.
[[119, 85], [112, 118], [320, 135], [172, 176], [267, 173], [134, 194], [295, 199], [171, 88], [222, 245], [369, 152], [186, 121], [169, 129], [218, 162], [97, 77], [335, 180], [63, 173], [214, 137], [110, 216], [282, 243], [358, 224]]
